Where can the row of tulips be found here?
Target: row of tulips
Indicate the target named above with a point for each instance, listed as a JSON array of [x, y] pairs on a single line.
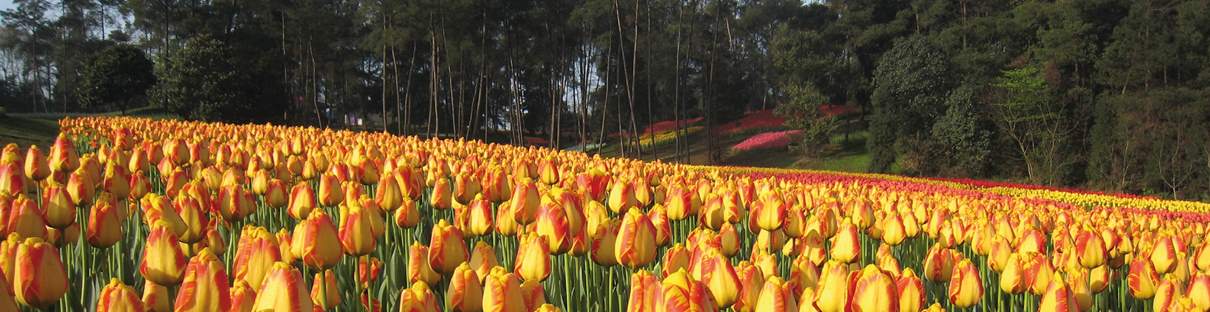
[[125, 214]]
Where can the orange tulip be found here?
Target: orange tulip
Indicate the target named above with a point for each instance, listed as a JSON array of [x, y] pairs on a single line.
[[875, 291], [256, 253], [118, 297], [483, 259], [1038, 273], [1091, 249], [635, 245], [502, 292], [12, 181], [442, 195], [524, 203], [479, 217], [675, 258], [193, 217], [720, 277], [533, 258], [751, 281], [7, 302], [909, 291], [775, 296], [57, 207], [205, 287], [680, 203], [448, 249], [163, 261], [39, 279], [407, 215], [315, 241], [966, 288], [302, 201], [63, 156], [1058, 298], [1199, 291], [465, 292], [357, 237], [1167, 297], [939, 263], [324, 292], [1201, 258], [682, 293], [1164, 256], [155, 298], [769, 214], [622, 196], [1142, 279], [419, 269], [893, 231], [243, 297], [418, 298], [275, 194], [235, 203], [116, 180], [24, 217], [646, 294], [557, 224], [846, 246], [104, 223], [533, 294], [36, 166], [329, 191], [832, 294]]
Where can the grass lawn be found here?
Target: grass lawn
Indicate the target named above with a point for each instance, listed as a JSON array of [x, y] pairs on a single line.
[[28, 130]]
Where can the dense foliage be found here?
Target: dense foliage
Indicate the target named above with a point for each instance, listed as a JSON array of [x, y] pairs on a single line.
[[1108, 94]]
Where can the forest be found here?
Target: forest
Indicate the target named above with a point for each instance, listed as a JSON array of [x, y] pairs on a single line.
[[1108, 95]]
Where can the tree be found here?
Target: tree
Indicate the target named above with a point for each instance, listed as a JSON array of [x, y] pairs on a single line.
[[1028, 115], [962, 135], [910, 89], [197, 81], [801, 110], [117, 77]]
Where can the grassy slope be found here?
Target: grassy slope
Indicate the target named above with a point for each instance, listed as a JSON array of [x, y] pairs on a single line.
[[843, 155], [41, 129]]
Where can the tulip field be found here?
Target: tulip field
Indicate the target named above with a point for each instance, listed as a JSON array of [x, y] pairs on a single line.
[[128, 214]]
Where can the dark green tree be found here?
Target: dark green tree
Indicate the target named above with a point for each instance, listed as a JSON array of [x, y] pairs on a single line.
[[910, 89], [197, 81], [117, 77]]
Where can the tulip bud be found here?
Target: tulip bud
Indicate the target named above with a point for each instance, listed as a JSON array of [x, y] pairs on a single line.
[[775, 296], [163, 261], [479, 217], [315, 241], [283, 290], [7, 302], [235, 203], [769, 214], [720, 277], [1091, 249], [1058, 298], [324, 291], [116, 180], [23, 217], [875, 291], [104, 223], [533, 259], [442, 195], [682, 293], [12, 182], [36, 166], [1199, 291], [675, 258], [243, 297], [465, 292], [483, 259], [502, 292], [356, 232], [407, 215], [448, 248], [257, 252], [965, 287], [63, 156], [939, 263], [155, 298], [1164, 256], [1142, 279], [525, 202], [205, 287], [635, 245], [275, 194], [57, 207], [909, 291], [39, 279], [846, 246], [302, 201], [751, 280], [419, 269], [193, 217], [832, 294], [622, 196], [329, 191], [116, 297], [418, 298]]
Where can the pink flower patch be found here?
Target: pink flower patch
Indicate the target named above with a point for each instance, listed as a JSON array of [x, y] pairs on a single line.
[[767, 140]]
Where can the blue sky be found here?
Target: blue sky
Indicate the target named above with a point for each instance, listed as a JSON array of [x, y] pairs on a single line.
[[6, 4]]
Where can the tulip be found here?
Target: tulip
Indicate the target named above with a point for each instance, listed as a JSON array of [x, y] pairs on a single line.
[[622, 196], [533, 294], [1142, 279], [275, 194], [57, 207], [893, 231], [675, 258], [1058, 298], [419, 269], [775, 296], [407, 215], [205, 287], [1164, 256], [465, 292], [243, 297], [356, 233], [1091, 249], [139, 186], [1199, 291], [483, 259], [646, 294], [875, 291], [235, 203], [751, 280], [283, 290], [155, 298], [1078, 285], [557, 224], [36, 166], [635, 245], [769, 214], [525, 202], [324, 292], [939, 263], [965, 288], [257, 252], [315, 241], [846, 246], [680, 203], [1201, 258], [104, 223], [24, 217], [116, 180], [163, 260], [502, 292], [7, 302], [448, 248], [302, 201], [12, 181], [418, 298], [368, 270], [39, 279], [909, 291], [682, 293], [533, 259], [1167, 297], [479, 217], [832, 294], [720, 277], [1038, 273], [442, 195], [193, 217], [329, 191], [118, 297]]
